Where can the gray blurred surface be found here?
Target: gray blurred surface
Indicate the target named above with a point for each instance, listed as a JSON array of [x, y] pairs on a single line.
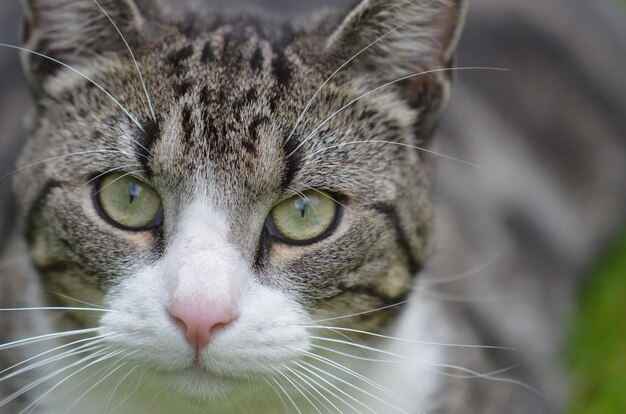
[[551, 136], [13, 104]]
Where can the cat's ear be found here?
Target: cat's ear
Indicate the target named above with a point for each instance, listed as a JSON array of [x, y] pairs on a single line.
[[402, 38], [72, 31]]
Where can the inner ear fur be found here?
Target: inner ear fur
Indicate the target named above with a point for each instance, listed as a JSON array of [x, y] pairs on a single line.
[[74, 30]]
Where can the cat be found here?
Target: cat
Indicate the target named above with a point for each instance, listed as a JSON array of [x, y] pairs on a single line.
[[228, 128]]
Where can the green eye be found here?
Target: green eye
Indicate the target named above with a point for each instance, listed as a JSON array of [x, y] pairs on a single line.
[[304, 218], [128, 202]]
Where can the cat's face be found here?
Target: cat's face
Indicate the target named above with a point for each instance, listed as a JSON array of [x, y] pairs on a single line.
[[211, 221]]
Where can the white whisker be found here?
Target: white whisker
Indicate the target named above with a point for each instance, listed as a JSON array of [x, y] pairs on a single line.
[[280, 397], [67, 393], [298, 388], [381, 351], [352, 102], [156, 401], [364, 312], [517, 383], [54, 359], [360, 358], [413, 341], [456, 278], [402, 360], [338, 389], [131, 393], [62, 295], [130, 173], [349, 384], [339, 333], [34, 384], [307, 199], [60, 308], [449, 297], [308, 381], [332, 394], [45, 337], [94, 339], [97, 85], [105, 173], [328, 196], [108, 404], [113, 371], [132, 55], [287, 395], [361, 377], [400, 144], [362, 347], [312, 387], [346, 63], [473, 374], [60, 157], [108, 356], [490, 377]]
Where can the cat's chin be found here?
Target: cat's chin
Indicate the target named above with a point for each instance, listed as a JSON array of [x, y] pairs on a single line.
[[197, 384]]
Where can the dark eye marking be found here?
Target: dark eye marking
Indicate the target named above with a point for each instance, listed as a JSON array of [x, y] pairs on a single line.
[[38, 205], [403, 241]]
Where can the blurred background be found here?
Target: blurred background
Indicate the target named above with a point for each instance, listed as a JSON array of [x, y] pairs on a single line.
[[579, 50], [596, 352], [551, 132]]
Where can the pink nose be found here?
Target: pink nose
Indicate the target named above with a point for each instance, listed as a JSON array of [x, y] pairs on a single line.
[[200, 323]]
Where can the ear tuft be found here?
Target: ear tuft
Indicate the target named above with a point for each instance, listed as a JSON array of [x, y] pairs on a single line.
[[402, 38]]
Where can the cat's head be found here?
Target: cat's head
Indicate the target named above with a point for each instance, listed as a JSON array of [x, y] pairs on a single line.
[[230, 188]]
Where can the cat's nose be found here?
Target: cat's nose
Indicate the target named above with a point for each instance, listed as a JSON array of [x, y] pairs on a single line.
[[200, 323]]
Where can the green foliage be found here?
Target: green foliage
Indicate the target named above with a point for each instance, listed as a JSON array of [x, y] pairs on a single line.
[[597, 353]]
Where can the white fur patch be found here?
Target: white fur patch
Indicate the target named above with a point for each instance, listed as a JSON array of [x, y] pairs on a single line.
[[201, 266], [268, 335]]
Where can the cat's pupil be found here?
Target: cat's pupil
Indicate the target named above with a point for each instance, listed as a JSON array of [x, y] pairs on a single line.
[[133, 191], [301, 205]]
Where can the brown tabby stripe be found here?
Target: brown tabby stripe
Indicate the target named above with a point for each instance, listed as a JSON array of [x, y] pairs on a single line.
[[176, 58], [183, 87], [256, 61], [152, 133], [390, 212], [293, 161], [282, 69], [186, 124], [263, 247], [208, 55], [39, 204], [369, 291]]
